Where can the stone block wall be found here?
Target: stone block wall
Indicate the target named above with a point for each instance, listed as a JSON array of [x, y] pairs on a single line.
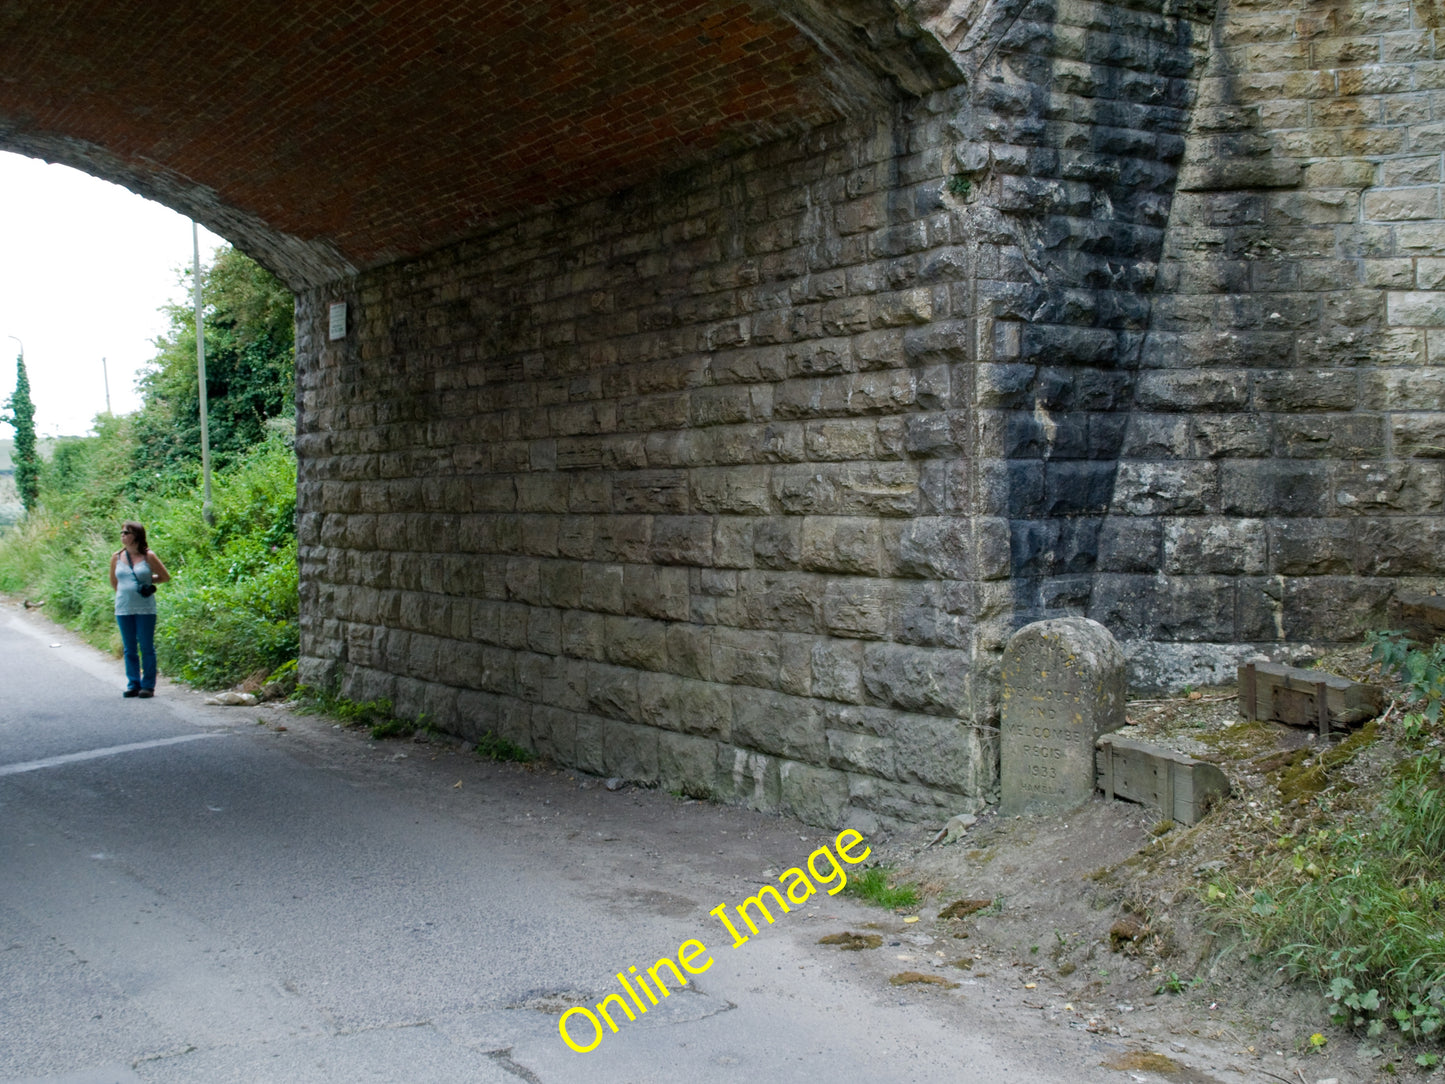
[[1281, 475], [654, 485], [739, 481]]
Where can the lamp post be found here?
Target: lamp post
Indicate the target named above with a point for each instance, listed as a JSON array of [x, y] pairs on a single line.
[[22, 345]]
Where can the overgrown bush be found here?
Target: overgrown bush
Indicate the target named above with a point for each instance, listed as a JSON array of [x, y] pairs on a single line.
[[250, 368], [1420, 670], [231, 607]]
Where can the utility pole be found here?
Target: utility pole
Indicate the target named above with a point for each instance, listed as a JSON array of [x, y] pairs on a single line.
[[105, 376], [207, 512]]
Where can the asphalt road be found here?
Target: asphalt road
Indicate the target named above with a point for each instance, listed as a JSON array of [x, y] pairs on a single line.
[[193, 893]]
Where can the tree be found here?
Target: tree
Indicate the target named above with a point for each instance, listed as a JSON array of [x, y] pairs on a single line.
[[20, 413], [250, 370]]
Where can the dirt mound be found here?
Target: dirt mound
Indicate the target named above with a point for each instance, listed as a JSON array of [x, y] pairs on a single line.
[[1106, 910]]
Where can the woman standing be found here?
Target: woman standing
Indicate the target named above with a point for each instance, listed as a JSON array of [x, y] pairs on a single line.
[[134, 573]]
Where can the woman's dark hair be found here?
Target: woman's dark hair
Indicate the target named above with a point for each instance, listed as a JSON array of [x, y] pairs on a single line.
[[138, 536]]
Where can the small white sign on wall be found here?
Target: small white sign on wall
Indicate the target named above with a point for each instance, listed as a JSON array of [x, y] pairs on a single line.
[[338, 320]]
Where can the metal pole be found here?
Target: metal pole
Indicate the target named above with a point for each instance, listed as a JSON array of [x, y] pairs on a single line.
[[207, 513], [105, 375], [22, 345]]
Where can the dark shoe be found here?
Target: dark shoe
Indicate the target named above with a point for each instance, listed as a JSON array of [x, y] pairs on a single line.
[[146, 694], [131, 692]]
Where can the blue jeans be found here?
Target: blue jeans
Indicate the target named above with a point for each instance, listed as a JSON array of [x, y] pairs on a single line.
[[138, 631]]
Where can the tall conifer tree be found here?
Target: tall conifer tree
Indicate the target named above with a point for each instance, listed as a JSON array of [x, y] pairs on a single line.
[[21, 414]]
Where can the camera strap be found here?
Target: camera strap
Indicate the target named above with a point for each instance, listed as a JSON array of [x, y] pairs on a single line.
[[131, 566]]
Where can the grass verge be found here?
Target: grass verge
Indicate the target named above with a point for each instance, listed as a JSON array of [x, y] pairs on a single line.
[[1356, 905], [375, 715], [231, 607]]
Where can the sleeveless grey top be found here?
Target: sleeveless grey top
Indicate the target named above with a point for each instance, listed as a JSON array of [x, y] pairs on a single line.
[[128, 599]]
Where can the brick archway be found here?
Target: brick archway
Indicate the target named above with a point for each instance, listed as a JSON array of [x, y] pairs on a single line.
[[327, 144]]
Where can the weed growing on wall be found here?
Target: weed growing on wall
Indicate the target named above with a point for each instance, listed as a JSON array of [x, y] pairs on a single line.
[[377, 716], [494, 747]]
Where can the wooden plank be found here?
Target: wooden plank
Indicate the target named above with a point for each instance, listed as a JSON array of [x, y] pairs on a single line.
[[1288, 694], [1178, 785], [1422, 617]]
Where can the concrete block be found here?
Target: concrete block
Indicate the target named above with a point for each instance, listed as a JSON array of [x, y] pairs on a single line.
[[750, 779], [635, 642], [841, 544], [612, 692], [837, 670], [1215, 545], [1416, 308], [934, 681], [689, 764]]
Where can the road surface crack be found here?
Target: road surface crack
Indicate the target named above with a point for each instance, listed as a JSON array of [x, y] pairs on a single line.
[[503, 1058]]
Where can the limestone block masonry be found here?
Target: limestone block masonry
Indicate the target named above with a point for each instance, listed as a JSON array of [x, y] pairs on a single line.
[[738, 482], [1280, 478]]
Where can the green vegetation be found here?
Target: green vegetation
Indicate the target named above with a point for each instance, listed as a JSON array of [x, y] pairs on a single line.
[[495, 747], [1302, 776], [1352, 899], [1420, 669], [20, 414], [1356, 906], [250, 347], [1175, 985], [375, 715], [876, 885], [231, 608]]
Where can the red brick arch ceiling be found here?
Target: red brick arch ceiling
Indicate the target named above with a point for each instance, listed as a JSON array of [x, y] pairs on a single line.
[[328, 138]]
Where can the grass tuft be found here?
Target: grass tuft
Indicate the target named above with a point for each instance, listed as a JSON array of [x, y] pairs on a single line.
[[375, 715], [877, 886], [494, 747]]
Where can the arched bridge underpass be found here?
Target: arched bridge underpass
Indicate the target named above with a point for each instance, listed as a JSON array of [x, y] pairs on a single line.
[[721, 384]]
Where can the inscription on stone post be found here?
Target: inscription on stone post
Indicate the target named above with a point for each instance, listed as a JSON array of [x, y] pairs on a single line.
[[1063, 686]]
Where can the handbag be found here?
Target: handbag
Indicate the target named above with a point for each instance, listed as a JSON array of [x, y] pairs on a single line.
[[145, 590]]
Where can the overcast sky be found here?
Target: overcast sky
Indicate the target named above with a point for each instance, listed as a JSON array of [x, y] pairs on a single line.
[[84, 268]]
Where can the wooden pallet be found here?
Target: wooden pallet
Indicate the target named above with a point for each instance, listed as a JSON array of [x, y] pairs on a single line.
[[1180, 786], [1287, 694]]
